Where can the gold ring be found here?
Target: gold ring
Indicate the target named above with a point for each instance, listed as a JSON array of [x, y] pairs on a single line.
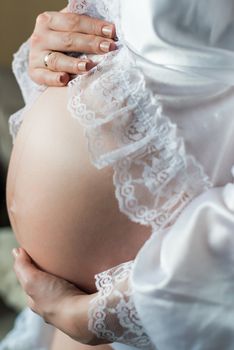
[[46, 59]]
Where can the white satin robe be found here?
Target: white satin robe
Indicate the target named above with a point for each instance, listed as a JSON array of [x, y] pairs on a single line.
[[183, 277]]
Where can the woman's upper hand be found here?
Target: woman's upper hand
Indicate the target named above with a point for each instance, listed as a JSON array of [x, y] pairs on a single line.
[[59, 302], [60, 33]]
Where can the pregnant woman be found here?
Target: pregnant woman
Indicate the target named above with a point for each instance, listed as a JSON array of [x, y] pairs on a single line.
[[159, 111]]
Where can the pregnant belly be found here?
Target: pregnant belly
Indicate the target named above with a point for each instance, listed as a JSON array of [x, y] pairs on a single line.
[[62, 209]]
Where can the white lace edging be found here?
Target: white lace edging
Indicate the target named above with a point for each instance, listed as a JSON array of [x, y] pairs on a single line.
[[112, 314], [29, 89], [126, 128], [106, 9]]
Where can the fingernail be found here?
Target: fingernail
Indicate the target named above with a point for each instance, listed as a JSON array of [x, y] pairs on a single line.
[[107, 46], [16, 252], [90, 65], [82, 66], [107, 31], [63, 79]]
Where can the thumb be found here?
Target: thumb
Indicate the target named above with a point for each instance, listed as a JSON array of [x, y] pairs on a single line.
[[26, 271]]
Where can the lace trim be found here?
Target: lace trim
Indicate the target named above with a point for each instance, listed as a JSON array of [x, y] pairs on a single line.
[[126, 128], [105, 9], [112, 314], [153, 176], [29, 89], [82, 7]]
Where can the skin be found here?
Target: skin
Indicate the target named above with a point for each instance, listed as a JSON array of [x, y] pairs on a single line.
[[57, 301], [63, 209], [67, 245], [59, 32], [62, 341]]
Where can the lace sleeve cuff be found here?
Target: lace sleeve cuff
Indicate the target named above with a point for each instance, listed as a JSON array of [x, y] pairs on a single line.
[[112, 314]]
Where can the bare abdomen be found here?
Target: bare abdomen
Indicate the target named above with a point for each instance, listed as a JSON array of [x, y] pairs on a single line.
[[62, 209]]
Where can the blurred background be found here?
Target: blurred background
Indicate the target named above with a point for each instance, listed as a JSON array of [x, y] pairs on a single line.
[[17, 20]]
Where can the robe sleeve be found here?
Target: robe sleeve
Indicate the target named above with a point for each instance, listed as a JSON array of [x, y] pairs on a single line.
[[178, 293], [112, 313], [183, 278]]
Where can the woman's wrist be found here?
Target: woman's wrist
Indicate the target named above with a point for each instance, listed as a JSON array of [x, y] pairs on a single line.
[[78, 319]]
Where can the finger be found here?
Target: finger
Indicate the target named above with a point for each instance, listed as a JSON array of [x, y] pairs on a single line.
[[73, 22], [59, 62], [64, 10], [31, 304], [26, 271], [73, 42], [43, 76]]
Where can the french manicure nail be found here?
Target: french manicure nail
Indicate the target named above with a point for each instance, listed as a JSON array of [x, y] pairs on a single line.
[[82, 66], [107, 31], [107, 46], [90, 65], [63, 79], [16, 252]]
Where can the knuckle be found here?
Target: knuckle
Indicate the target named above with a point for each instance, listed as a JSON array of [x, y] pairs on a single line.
[[43, 18], [74, 66], [37, 78], [41, 309], [73, 21], [29, 285], [96, 28], [95, 43], [31, 304], [39, 18], [54, 61], [67, 40], [34, 40], [51, 80]]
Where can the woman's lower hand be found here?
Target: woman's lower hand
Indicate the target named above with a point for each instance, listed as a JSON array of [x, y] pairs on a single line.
[[59, 33], [57, 301]]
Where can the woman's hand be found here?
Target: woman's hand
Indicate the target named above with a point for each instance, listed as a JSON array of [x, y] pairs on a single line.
[[59, 302], [60, 32]]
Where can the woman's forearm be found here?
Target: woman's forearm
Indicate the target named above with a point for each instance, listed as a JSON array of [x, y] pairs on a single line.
[[100, 318]]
